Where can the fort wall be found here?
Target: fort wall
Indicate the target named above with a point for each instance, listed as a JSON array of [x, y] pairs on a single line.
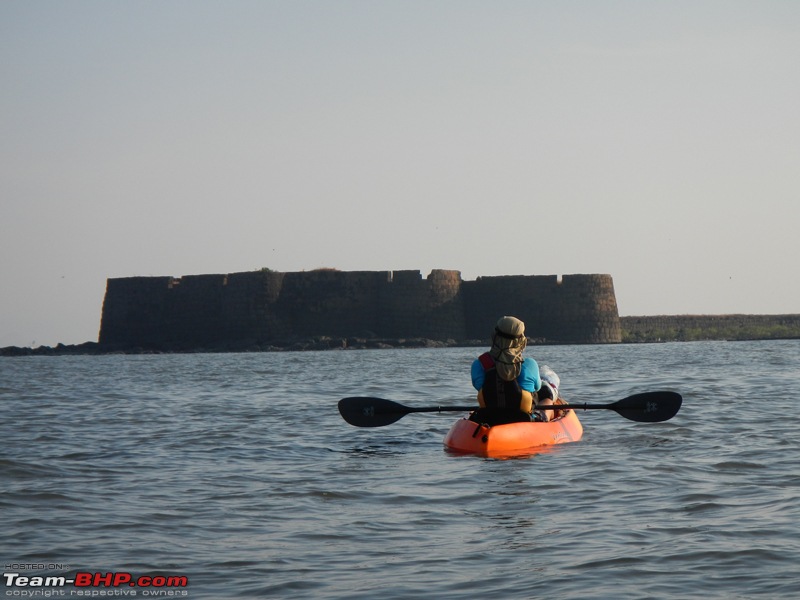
[[263, 307]]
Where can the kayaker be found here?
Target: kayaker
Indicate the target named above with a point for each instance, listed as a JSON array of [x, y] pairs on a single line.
[[505, 380], [548, 393]]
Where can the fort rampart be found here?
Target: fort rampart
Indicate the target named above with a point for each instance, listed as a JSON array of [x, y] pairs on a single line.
[[262, 307]]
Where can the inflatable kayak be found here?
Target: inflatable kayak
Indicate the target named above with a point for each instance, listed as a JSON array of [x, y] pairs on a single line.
[[511, 439]]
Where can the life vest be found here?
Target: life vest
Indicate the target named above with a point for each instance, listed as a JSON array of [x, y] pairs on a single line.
[[497, 392]]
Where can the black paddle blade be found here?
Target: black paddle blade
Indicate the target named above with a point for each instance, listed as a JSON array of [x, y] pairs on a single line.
[[371, 412], [649, 407]]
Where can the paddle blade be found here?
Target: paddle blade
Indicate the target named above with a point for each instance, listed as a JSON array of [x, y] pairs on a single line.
[[649, 407], [371, 412]]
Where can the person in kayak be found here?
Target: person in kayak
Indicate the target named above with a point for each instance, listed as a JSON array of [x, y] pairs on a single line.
[[548, 393], [505, 380]]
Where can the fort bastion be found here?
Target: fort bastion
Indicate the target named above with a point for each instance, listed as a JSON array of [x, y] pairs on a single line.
[[262, 307]]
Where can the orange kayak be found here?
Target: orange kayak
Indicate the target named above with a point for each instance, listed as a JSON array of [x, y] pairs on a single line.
[[511, 439]]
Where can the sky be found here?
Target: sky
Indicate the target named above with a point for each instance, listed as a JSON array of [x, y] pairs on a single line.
[[657, 141]]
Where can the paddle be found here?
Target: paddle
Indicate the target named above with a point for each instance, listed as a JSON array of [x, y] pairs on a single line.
[[647, 407], [377, 412]]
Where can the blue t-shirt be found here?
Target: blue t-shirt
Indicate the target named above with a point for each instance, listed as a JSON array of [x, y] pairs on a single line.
[[528, 379]]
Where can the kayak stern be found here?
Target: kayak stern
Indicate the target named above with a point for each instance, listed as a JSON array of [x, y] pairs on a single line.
[[511, 439]]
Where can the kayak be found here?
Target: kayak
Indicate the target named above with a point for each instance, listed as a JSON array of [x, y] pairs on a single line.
[[511, 439]]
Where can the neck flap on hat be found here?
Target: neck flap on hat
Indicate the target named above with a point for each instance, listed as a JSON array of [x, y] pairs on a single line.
[[507, 354]]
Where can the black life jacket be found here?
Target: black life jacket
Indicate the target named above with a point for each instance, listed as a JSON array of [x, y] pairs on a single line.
[[502, 399]]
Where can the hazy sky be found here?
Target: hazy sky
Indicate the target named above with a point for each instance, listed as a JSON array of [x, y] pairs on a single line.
[[656, 141]]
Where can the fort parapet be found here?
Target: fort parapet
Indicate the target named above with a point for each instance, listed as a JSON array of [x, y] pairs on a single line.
[[263, 307]]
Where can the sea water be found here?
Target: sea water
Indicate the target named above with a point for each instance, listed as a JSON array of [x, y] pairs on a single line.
[[235, 475]]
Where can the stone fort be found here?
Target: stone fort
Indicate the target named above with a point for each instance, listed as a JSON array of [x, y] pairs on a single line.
[[263, 307]]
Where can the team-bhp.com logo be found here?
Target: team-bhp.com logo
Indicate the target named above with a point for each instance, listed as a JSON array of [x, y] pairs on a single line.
[[94, 584]]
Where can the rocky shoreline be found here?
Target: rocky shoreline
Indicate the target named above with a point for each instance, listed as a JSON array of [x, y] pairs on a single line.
[[683, 328], [652, 329], [320, 343]]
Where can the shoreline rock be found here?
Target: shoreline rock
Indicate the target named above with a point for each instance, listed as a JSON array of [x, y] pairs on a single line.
[[651, 329], [306, 345], [324, 343]]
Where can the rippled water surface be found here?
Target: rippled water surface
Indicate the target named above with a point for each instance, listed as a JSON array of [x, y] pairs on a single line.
[[236, 471]]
